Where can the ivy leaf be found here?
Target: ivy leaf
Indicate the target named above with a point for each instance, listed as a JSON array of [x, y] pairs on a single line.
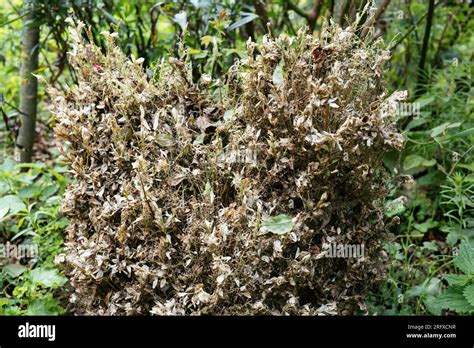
[[469, 294], [48, 278], [464, 260], [279, 224]]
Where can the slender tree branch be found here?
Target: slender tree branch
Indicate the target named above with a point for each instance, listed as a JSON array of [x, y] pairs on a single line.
[[344, 9], [29, 85], [378, 13], [260, 9], [413, 27], [299, 11], [424, 49], [314, 14], [330, 13]]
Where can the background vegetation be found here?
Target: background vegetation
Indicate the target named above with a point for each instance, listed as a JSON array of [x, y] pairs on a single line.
[[431, 257]]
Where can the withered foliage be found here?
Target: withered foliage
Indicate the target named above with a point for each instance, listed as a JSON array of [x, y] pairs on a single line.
[[165, 218]]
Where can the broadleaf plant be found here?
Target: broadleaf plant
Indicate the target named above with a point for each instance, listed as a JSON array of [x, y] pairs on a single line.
[[459, 296]]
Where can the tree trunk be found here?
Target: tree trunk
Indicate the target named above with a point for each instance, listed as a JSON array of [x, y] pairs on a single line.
[[421, 78], [29, 87]]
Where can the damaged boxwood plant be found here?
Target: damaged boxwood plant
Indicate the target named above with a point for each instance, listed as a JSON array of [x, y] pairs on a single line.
[[221, 197]]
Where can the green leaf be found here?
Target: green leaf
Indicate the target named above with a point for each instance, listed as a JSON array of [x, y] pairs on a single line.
[[464, 260], [11, 203], [278, 75], [468, 166], [453, 299], [416, 161], [463, 133], [453, 237], [424, 100], [440, 130], [29, 191], [244, 20], [469, 294], [14, 269], [432, 306], [48, 278], [430, 246], [457, 279], [425, 226], [279, 224], [431, 287], [48, 192], [43, 306], [3, 212], [415, 123], [7, 166]]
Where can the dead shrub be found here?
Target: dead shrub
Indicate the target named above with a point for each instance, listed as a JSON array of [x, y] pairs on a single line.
[[193, 199]]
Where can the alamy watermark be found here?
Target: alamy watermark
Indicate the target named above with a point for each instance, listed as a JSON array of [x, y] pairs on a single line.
[[336, 250], [236, 154], [18, 251], [406, 109]]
